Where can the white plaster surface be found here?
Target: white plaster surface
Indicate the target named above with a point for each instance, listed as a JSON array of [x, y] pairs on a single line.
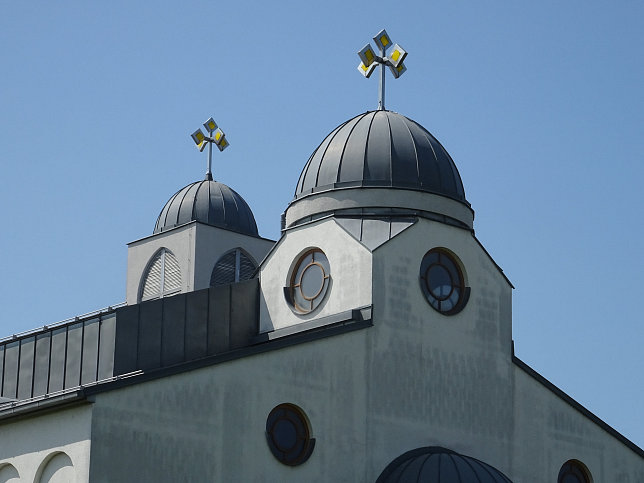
[[415, 378], [179, 241], [31, 445], [211, 422], [197, 247], [58, 468], [350, 266], [9, 474], [549, 432], [377, 197]]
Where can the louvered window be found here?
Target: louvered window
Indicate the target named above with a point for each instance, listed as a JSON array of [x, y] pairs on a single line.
[[162, 277], [234, 266]]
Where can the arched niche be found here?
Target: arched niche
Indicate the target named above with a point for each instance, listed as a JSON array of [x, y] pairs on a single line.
[[8, 473], [56, 468]]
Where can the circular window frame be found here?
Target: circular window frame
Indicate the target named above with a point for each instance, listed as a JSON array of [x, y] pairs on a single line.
[[299, 451], [451, 265], [296, 274]]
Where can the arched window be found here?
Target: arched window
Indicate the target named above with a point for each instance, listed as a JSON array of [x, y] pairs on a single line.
[[162, 277], [234, 266], [574, 471]]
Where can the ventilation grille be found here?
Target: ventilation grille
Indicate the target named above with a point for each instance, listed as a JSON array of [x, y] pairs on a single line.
[[246, 267], [171, 273], [152, 285], [234, 266], [163, 276], [224, 271]]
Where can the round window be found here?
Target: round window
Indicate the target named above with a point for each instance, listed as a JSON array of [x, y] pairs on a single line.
[[288, 434], [441, 281], [310, 279]]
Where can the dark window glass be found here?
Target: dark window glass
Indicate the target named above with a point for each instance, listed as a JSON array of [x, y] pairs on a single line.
[[288, 434], [442, 282], [285, 434], [439, 282]]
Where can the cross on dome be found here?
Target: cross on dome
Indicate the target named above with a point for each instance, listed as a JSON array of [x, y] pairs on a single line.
[[369, 60], [216, 137]]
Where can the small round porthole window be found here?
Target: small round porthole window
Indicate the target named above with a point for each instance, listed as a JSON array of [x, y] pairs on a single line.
[[288, 434], [442, 282], [309, 284]]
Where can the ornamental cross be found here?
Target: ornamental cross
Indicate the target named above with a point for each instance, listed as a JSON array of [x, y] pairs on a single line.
[[370, 60], [216, 137]]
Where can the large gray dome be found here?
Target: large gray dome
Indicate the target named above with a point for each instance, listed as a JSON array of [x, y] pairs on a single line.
[[381, 149], [439, 465], [380, 164], [208, 202]]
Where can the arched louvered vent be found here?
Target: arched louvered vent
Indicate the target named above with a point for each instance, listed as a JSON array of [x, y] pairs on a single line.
[[246, 267], [234, 266], [224, 271], [162, 277], [152, 279], [172, 273]]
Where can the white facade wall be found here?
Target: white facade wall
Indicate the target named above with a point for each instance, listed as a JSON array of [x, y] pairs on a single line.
[[549, 432], [415, 378], [197, 247], [180, 241], [347, 198], [209, 424], [350, 265], [40, 448], [440, 380]]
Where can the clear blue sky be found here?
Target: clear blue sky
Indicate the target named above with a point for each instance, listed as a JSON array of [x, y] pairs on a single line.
[[540, 105]]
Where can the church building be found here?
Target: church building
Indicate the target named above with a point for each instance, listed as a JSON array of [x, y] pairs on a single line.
[[371, 343]]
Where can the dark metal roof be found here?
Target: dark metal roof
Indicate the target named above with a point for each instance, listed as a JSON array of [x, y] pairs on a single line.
[[435, 464], [208, 202], [381, 149]]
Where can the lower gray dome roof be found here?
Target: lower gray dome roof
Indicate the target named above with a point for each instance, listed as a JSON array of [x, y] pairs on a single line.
[[208, 202], [381, 149], [434, 464]]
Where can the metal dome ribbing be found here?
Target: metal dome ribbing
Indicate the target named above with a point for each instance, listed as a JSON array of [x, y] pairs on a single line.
[[439, 465], [381, 149], [208, 202]]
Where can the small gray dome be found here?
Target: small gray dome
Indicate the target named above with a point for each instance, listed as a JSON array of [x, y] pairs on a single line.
[[208, 202], [439, 465], [381, 149]]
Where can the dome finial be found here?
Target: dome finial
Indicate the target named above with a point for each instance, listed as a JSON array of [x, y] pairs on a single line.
[[370, 60], [216, 137]]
